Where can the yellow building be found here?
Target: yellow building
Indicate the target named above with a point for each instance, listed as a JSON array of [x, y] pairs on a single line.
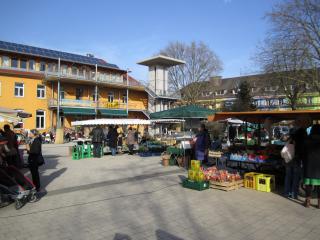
[[30, 79]]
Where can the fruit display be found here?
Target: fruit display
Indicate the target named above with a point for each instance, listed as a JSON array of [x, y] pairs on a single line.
[[213, 174]]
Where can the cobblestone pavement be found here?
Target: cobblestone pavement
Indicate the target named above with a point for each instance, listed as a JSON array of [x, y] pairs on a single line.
[[136, 198]]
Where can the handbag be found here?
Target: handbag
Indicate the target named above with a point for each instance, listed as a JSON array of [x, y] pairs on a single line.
[[287, 152], [40, 160]]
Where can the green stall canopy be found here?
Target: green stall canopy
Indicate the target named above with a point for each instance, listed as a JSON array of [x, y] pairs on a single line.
[[189, 111], [78, 111], [113, 112]]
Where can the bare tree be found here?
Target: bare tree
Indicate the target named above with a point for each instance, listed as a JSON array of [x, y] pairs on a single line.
[[291, 52], [297, 23], [201, 64]]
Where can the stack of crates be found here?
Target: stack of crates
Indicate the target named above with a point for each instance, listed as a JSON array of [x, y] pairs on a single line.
[[86, 151], [259, 181], [76, 153], [196, 179]]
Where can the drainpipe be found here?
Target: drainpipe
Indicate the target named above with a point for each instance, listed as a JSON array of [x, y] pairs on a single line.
[[96, 92], [58, 96], [128, 91]]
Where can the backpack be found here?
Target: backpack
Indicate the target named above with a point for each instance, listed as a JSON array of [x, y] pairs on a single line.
[[287, 152]]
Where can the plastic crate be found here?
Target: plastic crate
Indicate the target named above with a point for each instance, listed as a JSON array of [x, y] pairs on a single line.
[[76, 153], [250, 180], [200, 186], [265, 183], [172, 161]]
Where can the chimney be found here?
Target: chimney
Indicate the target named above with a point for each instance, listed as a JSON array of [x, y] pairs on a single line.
[[90, 55]]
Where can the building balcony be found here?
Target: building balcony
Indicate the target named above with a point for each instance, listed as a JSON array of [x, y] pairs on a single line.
[[53, 103], [87, 77]]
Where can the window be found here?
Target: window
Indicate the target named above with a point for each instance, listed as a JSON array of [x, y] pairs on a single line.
[[5, 61], [110, 97], [42, 66], [19, 89], [32, 65], [221, 92], [51, 67], [62, 93], [23, 63], [64, 69], [309, 100], [94, 95], [281, 102], [41, 91], [40, 119], [79, 93], [74, 71], [271, 89], [124, 98], [14, 62]]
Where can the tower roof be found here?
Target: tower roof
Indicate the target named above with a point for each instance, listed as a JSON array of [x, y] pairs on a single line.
[[161, 60]]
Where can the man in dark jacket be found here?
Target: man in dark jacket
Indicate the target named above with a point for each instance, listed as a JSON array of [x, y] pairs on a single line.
[[97, 140], [202, 144], [12, 156], [113, 140]]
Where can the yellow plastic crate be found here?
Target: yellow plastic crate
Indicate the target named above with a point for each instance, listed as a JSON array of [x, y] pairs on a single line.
[[192, 175], [265, 183], [195, 165], [199, 176], [250, 180]]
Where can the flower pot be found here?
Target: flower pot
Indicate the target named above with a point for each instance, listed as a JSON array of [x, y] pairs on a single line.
[[165, 158]]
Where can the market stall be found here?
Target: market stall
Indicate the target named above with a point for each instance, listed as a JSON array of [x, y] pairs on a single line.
[[259, 155], [190, 118]]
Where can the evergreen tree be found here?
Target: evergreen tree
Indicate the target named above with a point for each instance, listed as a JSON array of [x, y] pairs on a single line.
[[244, 100]]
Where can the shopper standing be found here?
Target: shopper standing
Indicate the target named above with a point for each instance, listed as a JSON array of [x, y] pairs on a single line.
[[298, 136], [97, 140], [113, 140], [202, 144], [312, 165], [130, 140], [12, 155], [35, 156]]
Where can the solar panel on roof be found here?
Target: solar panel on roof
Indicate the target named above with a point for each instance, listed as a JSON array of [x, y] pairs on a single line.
[[48, 53]]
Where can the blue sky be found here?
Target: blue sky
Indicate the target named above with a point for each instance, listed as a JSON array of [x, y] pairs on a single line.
[[124, 32]]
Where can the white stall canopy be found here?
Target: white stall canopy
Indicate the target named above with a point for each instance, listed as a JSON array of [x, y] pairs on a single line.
[[111, 121]]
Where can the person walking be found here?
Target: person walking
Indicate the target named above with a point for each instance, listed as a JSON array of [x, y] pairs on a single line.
[[113, 140], [294, 167], [202, 144], [130, 140], [35, 158], [311, 165], [97, 140]]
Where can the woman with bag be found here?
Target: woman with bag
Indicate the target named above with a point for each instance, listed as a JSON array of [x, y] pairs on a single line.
[[312, 165], [35, 158]]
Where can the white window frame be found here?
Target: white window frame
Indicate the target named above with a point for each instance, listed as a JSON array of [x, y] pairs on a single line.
[[19, 89], [309, 100], [44, 91], [44, 119]]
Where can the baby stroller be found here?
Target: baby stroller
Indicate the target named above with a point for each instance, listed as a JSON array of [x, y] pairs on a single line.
[[14, 186]]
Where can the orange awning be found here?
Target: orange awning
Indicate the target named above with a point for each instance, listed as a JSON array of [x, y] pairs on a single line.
[[260, 116]]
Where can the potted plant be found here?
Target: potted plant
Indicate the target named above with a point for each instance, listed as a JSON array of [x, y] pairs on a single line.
[[165, 158]]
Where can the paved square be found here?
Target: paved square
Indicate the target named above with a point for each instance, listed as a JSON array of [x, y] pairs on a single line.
[[128, 197]]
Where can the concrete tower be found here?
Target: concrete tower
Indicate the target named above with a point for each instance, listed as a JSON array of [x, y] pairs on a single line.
[[160, 98]]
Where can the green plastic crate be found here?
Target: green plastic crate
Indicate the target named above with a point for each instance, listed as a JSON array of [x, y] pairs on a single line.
[[75, 153], [200, 186], [172, 161]]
